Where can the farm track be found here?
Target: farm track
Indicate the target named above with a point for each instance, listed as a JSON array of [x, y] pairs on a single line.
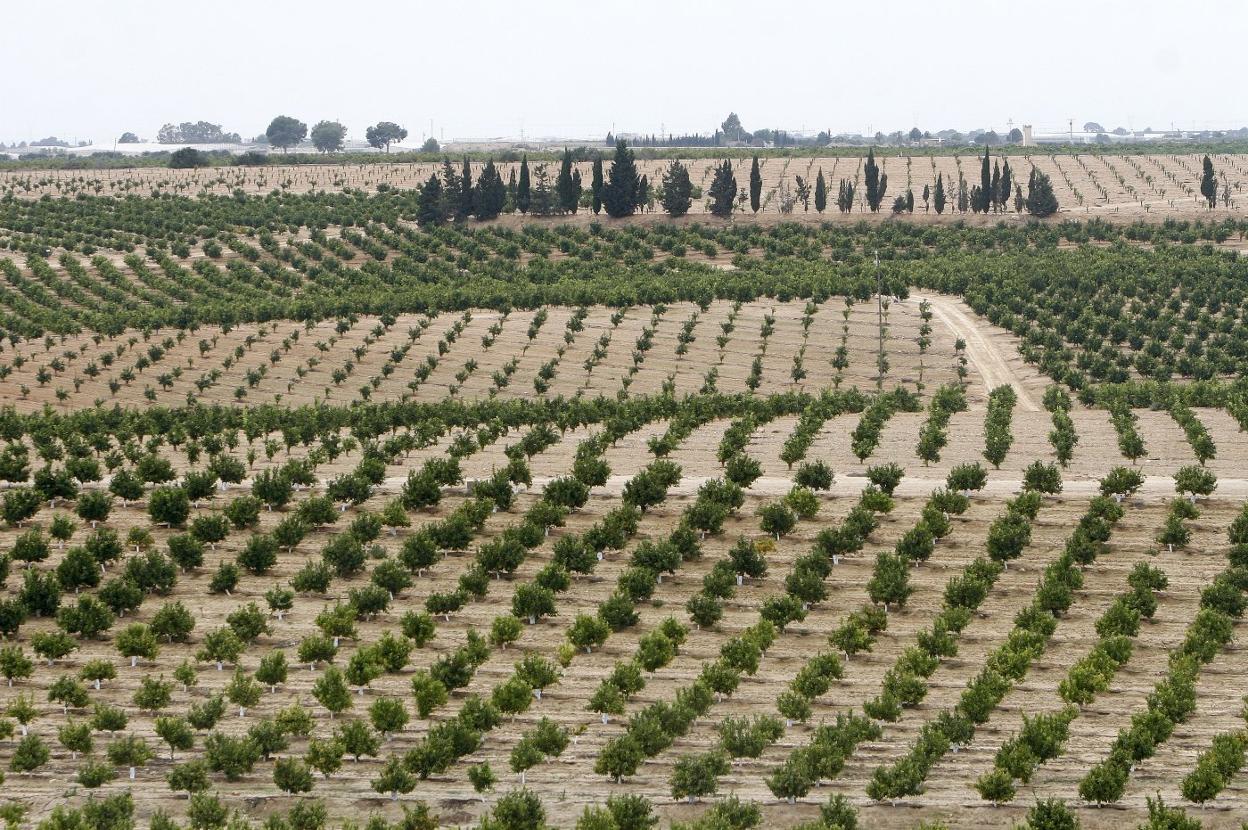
[[984, 351]]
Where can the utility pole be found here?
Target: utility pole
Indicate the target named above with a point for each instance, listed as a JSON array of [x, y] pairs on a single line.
[[879, 309]]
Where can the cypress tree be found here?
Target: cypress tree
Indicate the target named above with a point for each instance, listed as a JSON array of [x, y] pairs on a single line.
[[756, 186], [619, 194], [985, 185], [1007, 184], [677, 189], [595, 185], [464, 208], [522, 189], [877, 185], [1209, 183], [994, 195], [821, 192], [909, 200], [490, 195], [511, 191], [845, 196], [568, 185], [543, 198], [938, 196], [452, 190], [429, 203], [643, 193], [927, 195], [1041, 200], [723, 190]]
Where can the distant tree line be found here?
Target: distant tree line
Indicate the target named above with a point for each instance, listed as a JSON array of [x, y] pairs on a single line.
[[621, 190], [452, 195], [688, 140], [199, 132]]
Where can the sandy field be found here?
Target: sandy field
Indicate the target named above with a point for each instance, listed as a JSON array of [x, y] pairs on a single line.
[[1087, 185], [566, 783]]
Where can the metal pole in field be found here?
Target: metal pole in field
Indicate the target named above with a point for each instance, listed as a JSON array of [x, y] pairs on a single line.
[[879, 309]]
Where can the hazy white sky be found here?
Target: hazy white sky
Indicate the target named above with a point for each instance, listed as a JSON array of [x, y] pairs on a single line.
[[88, 69]]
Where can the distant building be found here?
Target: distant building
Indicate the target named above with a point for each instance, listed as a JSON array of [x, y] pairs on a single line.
[[1031, 138]]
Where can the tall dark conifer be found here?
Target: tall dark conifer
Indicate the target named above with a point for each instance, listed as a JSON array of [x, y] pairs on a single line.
[[568, 184], [619, 194], [429, 203], [723, 190], [464, 209], [523, 195], [595, 185], [821, 192], [985, 184], [1041, 201], [452, 190], [490, 194], [845, 196], [677, 189], [756, 186], [643, 193], [877, 185], [938, 195], [1209, 183], [994, 194]]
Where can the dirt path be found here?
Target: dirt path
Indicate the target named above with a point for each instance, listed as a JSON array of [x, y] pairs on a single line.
[[983, 353]]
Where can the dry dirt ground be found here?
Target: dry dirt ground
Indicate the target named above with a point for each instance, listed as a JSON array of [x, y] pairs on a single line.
[[1086, 185], [304, 374], [567, 784]]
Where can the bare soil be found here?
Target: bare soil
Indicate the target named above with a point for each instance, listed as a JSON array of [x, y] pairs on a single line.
[[567, 784]]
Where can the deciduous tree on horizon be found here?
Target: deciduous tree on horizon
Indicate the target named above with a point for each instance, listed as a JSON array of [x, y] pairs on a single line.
[[329, 136], [384, 133], [286, 132]]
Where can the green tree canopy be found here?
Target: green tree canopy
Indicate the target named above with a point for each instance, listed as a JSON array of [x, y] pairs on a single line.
[[286, 132], [329, 136], [619, 194]]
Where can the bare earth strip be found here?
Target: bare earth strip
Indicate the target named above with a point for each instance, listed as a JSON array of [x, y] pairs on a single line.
[[983, 352]]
